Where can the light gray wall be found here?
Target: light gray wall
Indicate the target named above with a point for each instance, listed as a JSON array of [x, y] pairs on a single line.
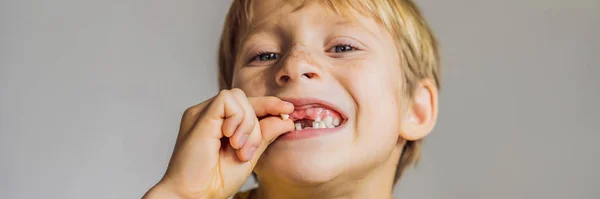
[[91, 94], [519, 106], [92, 91]]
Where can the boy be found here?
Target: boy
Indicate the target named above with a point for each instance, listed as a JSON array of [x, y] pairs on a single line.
[[356, 85]]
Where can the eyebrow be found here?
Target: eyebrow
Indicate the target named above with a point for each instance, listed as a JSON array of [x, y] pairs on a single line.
[[264, 27], [346, 22]]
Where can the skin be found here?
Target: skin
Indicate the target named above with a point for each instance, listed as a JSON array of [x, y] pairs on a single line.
[[310, 52]]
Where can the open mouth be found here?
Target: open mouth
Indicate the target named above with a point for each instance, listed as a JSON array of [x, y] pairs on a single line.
[[315, 117]]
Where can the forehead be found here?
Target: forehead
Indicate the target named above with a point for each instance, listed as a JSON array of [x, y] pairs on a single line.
[[282, 11], [267, 14]]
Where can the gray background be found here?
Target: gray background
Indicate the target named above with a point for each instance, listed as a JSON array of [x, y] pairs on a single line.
[[91, 94]]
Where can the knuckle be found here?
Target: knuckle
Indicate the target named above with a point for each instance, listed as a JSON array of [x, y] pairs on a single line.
[[190, 112], [237, 91], [249, 111], [238, 114], [250, 122], [223, 93]]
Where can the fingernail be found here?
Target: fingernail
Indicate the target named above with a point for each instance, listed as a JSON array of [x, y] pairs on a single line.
[[243, 140], [251, 152]]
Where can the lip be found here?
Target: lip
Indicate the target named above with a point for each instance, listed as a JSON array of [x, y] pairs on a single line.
[[305, 103]]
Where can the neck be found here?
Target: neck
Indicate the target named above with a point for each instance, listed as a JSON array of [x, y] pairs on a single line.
[[376, 184]]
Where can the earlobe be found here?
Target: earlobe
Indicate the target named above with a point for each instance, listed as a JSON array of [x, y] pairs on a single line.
[[421, 115]]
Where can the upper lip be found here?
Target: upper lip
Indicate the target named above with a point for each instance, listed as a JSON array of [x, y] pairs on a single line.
[[305, 103]]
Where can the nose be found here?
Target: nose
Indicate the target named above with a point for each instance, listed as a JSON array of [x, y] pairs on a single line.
[[298, 66]]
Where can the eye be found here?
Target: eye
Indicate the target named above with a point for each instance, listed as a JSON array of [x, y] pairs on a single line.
[[342, 48], [266, 57]]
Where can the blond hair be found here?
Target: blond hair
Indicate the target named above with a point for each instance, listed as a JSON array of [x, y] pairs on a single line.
[[417, 46]]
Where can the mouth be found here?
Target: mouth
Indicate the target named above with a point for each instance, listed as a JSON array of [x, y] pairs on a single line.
[[314, 117]]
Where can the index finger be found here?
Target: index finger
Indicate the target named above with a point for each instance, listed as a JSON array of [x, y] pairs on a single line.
[[264, 106]]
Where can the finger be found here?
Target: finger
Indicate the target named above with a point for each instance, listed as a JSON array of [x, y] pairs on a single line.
[[270, 129], [221, 117], [248, 122], [233, 114], [246, 153], [264, 106]]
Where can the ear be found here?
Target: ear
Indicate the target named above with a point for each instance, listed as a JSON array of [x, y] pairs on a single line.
[[421, 115]]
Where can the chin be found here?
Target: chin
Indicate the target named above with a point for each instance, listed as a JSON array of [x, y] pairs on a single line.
[[308, 167], [307, 173]]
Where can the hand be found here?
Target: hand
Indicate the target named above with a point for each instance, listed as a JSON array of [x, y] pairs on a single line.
[[219, 142]]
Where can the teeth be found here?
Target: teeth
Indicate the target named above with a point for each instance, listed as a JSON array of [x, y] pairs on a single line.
[[322, 125], [327, 122], [298, 127], [316, 124], [285, 116], [336, 122]]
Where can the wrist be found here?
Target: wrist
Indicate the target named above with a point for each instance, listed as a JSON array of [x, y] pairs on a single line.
[[160, 191]]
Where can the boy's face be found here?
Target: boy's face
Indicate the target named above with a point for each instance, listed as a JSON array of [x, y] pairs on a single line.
[[328, 65]]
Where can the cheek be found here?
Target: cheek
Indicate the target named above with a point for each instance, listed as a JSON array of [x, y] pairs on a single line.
[[373, 88], [253, 81], [377, 114]]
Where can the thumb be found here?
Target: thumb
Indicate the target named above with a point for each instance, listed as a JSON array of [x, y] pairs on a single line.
[[271, 128]]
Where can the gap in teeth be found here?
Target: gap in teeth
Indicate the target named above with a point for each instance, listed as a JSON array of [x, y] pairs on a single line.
[[327, 122]]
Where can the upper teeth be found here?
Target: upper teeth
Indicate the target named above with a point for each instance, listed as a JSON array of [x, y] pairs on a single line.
[[315, 125], [336, 122], [285, 116], [319, 125], [327, 122], [331, 122]]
